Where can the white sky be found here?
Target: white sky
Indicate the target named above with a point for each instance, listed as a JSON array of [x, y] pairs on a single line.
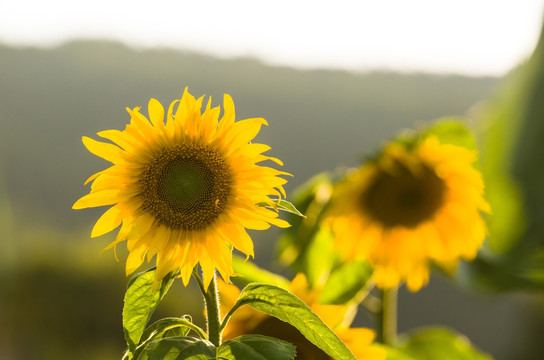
[[480, 37]]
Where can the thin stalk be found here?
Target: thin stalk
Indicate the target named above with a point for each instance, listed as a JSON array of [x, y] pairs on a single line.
[[360, 299], [387, 323], [211, 298], [214, 315]]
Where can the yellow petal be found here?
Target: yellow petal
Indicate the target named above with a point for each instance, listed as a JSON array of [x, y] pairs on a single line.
[[170, 118], [417, 278], [142, 225], [139, 121], [186, 108], [121, 235], [99, 198], [332, 315], [264, 158], [106, 182], [117, 137], [279, 223], [266, 215], [156, 113], [220, 255], [106, 151], [107, 222], [227, 120], [109, 171], [250, 222], [359, 340], [160, 239], [166, 263], [208, 268], [208, 125], [238, 237], [186, 272], [244, 131], [135, 259], [186, 257], [256, 149], [92, 177]]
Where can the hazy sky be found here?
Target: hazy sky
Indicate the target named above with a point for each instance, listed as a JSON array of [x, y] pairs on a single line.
[[463, 36]]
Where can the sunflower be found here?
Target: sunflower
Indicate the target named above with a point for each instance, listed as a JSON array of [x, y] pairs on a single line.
[[415, 204], [186, 190], [246, 320]]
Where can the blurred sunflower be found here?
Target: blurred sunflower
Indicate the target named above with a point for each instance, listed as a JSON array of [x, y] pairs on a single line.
[[246, 320], [416, 203], [186, 189]]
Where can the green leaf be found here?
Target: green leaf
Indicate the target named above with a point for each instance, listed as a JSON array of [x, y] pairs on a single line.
[[250, 273], [246, 347], [179, 348], [512, 147], [440, 343], [305, 236], [393, 353], [140, 303], [285, 306], [167, 327], [451, 130], [284, 205], [503, 116], [256, 347], [318, 258], [511, 157], [345, 282]]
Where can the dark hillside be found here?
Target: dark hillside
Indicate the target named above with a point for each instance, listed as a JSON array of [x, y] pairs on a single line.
[[318, 119]]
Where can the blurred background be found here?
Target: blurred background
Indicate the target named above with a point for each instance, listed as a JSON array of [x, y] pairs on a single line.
[[334, 80]]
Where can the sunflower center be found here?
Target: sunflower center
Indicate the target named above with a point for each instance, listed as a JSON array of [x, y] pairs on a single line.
[[186, 186], [404, 198], [184, 182]]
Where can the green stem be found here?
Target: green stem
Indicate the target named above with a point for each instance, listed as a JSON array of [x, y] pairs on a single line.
[[227, 317], [211, 297], [387, 328]]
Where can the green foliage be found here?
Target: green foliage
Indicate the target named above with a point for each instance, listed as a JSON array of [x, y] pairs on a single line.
[[165, 328], [179, 348], [319, 257], [167, 338], [285, 306], [256, 347], [249, 273], [437, 343], [511, 154], [305, 246], [247, 347], [396, 354], [451, 130], [345, 282], [502, 116], [140, 303], [340, 286], [284, 205]]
